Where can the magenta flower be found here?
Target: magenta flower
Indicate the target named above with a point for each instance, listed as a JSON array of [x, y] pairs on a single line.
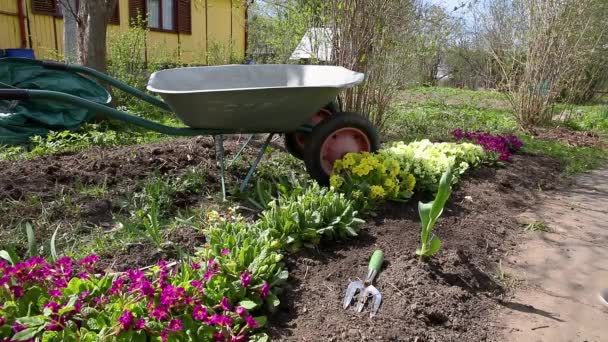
[[225, 251], [195, 265], [200, 313], [126, 320], [251, 322], [18, 327], [53, 306], [218, 337], [196, 283], [54, 326], [176, 325], [55, 293], [264, 291], [17, 291], [160, 313], [140, 324], [225, 304], [241, 311], [88, 261], [239, 338], [163, 335], [245, 279], [209, 274]]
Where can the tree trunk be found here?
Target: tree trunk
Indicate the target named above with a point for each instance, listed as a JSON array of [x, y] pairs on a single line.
[[70, 30], [93, 17]]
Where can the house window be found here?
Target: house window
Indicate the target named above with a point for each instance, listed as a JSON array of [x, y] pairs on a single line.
[[163, 15], [46, 7], [53, 8]]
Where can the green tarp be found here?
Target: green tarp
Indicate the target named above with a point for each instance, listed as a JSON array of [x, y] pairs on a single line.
[[20, 120]]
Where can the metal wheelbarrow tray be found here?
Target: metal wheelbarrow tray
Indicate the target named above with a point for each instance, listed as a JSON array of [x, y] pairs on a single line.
[[295, 100], [250, 98]]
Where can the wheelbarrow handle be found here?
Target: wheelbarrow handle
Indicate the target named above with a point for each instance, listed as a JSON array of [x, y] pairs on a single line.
[[14, 94], [52, 65]]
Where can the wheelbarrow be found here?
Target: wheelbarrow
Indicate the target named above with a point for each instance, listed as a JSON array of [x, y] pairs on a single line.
[[294, 100]]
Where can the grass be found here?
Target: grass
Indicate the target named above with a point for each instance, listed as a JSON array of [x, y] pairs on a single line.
[[537, 226], [433, 113]]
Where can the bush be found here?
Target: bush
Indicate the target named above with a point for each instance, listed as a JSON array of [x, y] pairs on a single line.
[[364, 176], [303, 218]]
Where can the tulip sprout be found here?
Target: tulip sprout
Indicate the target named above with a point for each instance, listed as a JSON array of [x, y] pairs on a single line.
[[429, 213]]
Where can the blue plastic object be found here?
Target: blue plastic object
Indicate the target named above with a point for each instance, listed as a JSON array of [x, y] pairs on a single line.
[[19, 53]]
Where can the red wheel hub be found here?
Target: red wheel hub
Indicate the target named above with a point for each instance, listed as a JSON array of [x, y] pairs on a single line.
[[341, 142], [318, 117]]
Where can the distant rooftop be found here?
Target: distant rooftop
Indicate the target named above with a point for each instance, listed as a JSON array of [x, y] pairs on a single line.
[[315, 44]]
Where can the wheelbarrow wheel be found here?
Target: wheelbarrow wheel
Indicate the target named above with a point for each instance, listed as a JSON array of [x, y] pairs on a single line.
[[333, 138], [295, 142]]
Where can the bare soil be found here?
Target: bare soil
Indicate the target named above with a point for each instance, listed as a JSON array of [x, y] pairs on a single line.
[[570, 137], [450, 298]]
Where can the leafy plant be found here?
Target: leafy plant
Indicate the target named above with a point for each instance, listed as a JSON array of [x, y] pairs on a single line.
[[302, 219], [429, 213], [364, 176]]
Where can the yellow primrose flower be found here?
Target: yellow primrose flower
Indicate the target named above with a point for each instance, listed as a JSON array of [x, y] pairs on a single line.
[[362, 169], [410, 182], [335, 181], [389, 183], [338, 166], [377, 191], [348, 160]]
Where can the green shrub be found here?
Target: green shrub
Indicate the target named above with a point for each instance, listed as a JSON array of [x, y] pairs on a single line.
[[303, 219]]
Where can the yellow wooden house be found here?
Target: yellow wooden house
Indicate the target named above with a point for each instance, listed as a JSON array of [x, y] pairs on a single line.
[[186, 30]]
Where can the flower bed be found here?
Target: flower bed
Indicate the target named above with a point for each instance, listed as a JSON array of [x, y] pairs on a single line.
[[212, 298], [222, 293], [501, 146], [400, 169]]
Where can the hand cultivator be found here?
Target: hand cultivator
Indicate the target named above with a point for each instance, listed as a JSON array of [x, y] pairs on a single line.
[[364, 289], [215, 100]]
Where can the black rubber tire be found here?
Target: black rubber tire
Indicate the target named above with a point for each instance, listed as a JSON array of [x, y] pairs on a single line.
[[312, 151], [292, 146]]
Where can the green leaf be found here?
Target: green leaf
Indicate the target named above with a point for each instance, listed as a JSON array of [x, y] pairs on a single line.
[[261, 337], [53, 248], [272, 302], [26, 334], [435, 246], [261, 320], [248, 304], [32, 321], [31, 239], [6, 256]]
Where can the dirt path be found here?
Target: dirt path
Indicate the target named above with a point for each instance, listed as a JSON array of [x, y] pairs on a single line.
[[564, 268]]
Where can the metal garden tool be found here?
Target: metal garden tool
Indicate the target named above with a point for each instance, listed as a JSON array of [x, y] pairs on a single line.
[[364, 289]]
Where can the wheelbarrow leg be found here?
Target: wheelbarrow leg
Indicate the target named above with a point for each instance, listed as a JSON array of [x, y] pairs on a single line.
[[238, 154], [256, 161], [219, 146]]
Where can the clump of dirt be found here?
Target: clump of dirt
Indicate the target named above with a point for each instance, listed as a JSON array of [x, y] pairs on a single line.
[[570, 137], [449, 298]]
